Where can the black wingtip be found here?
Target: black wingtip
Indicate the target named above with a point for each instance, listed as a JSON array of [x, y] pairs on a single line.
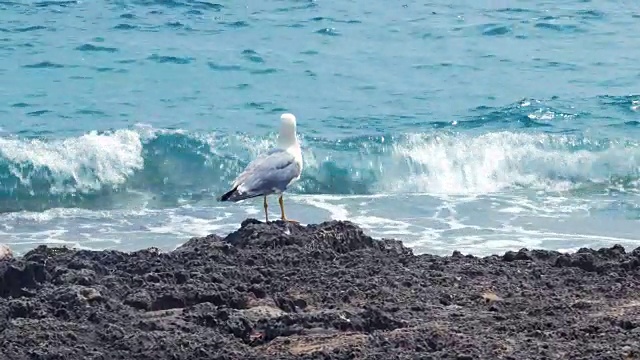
[[226, 196]]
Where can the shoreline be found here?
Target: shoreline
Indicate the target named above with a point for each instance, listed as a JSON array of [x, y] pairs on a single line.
[[325, 291]]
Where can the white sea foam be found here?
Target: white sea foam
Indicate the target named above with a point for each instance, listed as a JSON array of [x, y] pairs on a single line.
[[462, 164], [88, 162]]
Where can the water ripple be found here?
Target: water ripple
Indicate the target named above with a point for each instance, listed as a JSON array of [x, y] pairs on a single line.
[[495, 30], [558, 27], [38, 113], [170, 59], [55, 3], [110, 69], [310, 4], [90, 112], [330, 19], [237, 24], [44, 65], [221, 67], [208, 5], [264, 71], [515, 10], [591, 14], [30, 28], [328, 31], [95, 48], [252, 56], [175, 25], [125, 27], [203, 5]]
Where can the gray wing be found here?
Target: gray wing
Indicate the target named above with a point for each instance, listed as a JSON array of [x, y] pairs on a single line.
[[269, 172]]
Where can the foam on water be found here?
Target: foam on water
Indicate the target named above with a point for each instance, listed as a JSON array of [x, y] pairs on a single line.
[[438, 224], [76, 164], [500, 160]]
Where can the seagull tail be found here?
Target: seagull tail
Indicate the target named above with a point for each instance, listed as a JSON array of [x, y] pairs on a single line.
[[234, 195]]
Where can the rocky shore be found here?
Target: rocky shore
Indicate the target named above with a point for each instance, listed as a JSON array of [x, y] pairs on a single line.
[[327, 291]]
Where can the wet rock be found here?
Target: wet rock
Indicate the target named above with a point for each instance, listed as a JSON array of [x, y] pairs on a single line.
[[285, 291]]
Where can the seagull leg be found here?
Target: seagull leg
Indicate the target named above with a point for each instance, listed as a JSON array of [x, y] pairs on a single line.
[[284, 218], [266, 214]]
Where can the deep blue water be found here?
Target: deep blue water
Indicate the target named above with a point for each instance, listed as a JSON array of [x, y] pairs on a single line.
[[481, 126]]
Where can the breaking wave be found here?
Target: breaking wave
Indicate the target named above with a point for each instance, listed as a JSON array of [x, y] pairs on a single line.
[[166, 167]]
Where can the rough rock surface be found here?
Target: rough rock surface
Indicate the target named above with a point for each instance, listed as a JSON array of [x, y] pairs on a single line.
[[327, 291]]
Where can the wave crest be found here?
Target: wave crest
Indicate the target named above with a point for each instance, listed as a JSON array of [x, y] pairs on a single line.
[[107, 169]]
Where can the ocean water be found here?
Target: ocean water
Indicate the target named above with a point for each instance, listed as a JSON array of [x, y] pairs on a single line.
[[479, 126]]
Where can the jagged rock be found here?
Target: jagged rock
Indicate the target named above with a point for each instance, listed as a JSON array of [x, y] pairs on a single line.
[[329, 291]]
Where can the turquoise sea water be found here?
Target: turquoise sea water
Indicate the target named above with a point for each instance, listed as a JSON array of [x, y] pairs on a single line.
[[482, 126]]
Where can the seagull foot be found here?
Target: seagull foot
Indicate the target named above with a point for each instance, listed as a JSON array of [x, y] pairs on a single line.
[[290, 220]]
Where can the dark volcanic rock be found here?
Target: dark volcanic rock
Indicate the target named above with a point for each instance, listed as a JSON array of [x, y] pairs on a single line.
[[327, 291]]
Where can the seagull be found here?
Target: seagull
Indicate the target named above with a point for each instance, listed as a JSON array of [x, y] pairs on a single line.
[[272, 172]]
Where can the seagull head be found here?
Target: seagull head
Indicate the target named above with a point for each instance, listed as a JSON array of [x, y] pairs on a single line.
[[287, 137]]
